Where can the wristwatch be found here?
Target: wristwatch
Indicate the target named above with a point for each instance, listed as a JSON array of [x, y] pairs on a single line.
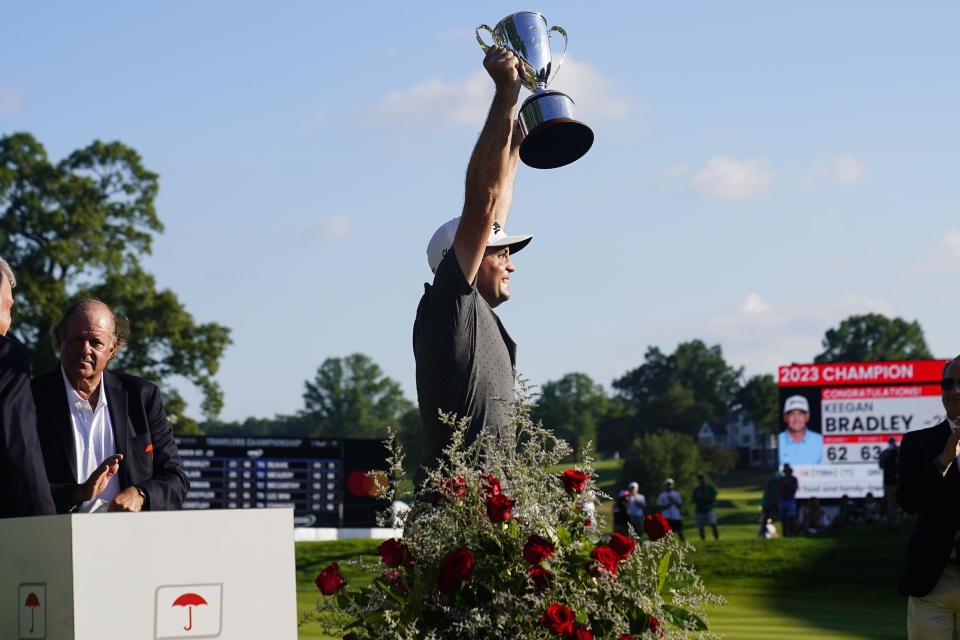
[[143, 496]]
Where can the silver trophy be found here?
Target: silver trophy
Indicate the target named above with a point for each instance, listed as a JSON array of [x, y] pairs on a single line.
[[553, 136]]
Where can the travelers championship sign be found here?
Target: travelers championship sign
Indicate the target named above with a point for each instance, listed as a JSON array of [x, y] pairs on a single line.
[[854, 408]]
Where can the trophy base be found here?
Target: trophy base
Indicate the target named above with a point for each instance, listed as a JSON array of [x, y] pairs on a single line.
[[553, 137], [556, 143]]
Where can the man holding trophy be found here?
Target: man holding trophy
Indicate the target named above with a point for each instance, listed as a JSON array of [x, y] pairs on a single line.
[[465, 358]]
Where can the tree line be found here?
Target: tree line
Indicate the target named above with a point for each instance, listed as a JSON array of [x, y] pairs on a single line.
[[80, 227]]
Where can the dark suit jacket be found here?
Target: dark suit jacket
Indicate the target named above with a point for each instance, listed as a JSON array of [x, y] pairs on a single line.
[[922, 490], [24, 490], [140, 430]]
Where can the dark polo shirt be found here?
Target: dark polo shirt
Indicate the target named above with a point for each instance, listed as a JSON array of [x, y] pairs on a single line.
[[465, 361]]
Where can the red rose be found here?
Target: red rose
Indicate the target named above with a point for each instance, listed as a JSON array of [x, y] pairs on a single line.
[[654, 625], [541, 578], [329, 581], [394, 553], [498, 508], [573, 481], [626, 637], [656, 526], [492, 485], [396, 580], [580, 632], [455, 487], [537, 549], [457, 567], [605, 557], [622, 545], [558, 619]]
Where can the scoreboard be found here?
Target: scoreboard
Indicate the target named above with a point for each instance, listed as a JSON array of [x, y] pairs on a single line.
[[855, 408], [327, 482]]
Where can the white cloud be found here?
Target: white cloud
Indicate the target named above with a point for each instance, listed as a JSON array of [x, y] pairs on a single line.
[[436, 102], [335, 227], [843, 169], [727, 178], [762, 336], [944, 257], [846, 170], [596, 97], [11, 101], [754, 304]]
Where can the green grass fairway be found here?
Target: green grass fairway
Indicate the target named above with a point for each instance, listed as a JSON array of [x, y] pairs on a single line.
[[838, 586], [754, 615]]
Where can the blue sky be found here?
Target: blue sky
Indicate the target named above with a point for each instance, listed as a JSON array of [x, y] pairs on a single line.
[[761, 171]]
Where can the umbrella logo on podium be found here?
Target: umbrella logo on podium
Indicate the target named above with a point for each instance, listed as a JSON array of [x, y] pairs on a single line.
[[32, 604], [189, 600], [188, 611]]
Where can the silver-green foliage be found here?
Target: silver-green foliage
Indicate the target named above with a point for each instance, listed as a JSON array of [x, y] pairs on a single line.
[[498, 599]]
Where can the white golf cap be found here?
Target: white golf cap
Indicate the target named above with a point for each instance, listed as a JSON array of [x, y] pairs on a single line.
[[442, 240], [796, 402]]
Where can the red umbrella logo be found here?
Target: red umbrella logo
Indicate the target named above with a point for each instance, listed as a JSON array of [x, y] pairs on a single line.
[[188, 600], [33, 602]]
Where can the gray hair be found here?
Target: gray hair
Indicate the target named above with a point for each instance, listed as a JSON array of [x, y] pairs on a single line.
[[7, 273], [121, 325]]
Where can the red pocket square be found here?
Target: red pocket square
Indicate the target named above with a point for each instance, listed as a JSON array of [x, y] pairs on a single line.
[[149, 450]]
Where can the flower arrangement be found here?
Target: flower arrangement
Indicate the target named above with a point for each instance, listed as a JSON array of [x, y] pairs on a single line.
[[496, 545]]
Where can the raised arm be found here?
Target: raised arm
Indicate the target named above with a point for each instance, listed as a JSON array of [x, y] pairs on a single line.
[[506, 192], [493, 165]]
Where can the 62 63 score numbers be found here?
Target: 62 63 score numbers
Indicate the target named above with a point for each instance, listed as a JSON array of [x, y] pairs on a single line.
[[853, 453]]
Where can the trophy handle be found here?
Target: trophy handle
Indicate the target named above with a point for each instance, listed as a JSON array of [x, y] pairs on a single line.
[[559, 30], [484, 45]]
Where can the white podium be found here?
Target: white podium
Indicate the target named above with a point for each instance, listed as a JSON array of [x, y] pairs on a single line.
[[140, 576]]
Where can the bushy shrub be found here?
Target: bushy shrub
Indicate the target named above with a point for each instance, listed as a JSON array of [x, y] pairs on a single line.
[[497, 545]]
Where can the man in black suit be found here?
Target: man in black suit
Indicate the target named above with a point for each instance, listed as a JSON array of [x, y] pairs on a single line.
[[929, 486], [23, 484], [105, 438]]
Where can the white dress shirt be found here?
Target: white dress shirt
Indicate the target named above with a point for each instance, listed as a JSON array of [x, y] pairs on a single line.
[[669, 502], [93, 437]]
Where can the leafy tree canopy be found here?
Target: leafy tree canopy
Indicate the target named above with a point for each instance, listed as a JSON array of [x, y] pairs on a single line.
[[682, 390], [873, 337], [658, 456], [351, 398], [572, 407], [759, 398], [79, 228]]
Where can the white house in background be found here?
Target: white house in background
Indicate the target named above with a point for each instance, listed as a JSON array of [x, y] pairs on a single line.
[[734, 431]]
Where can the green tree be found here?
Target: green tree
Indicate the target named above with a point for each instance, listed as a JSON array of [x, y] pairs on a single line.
[[572, 407], [759, 398], [297, 426], [660, 455], [682, 390], [78, 228], [351, 398], [873, 337], [717, 460], [617, 428], [410, 438]]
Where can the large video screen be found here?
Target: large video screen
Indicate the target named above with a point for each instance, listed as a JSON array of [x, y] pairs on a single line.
[[836, 420]]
